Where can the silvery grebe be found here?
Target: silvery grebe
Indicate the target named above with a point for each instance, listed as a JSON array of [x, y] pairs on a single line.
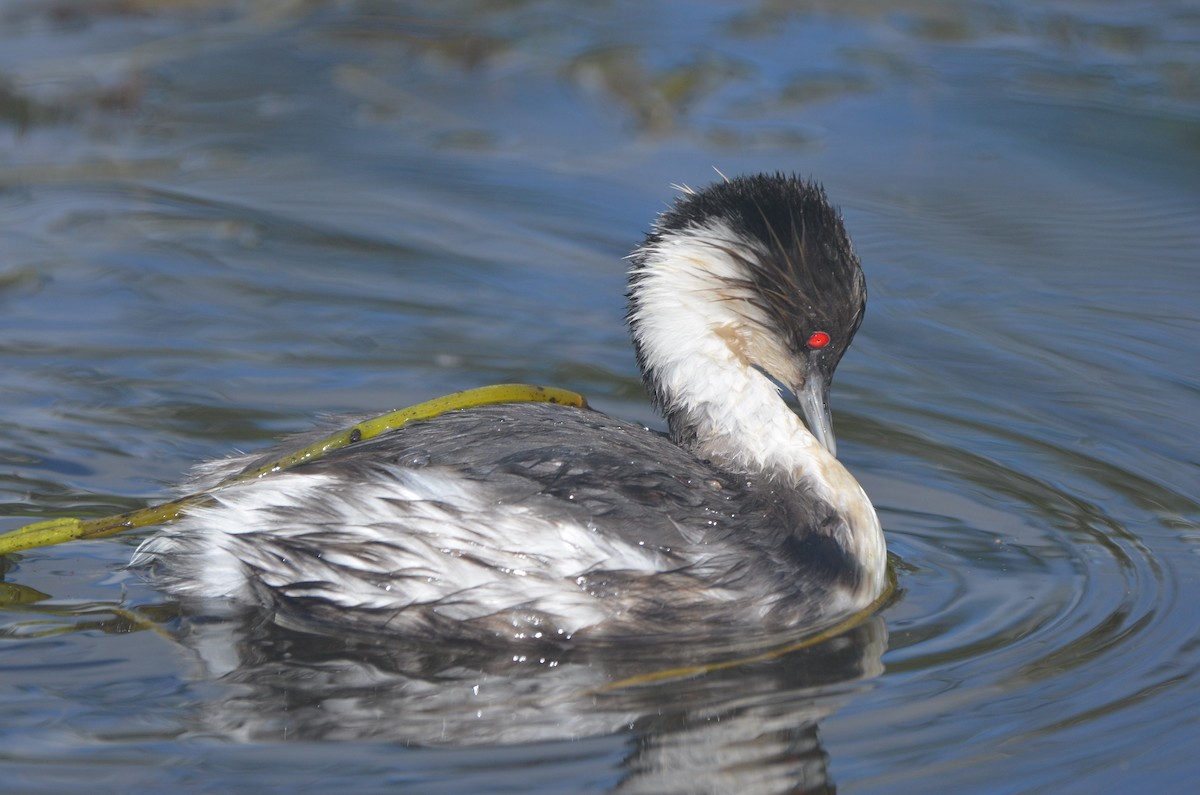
[[531, 521]]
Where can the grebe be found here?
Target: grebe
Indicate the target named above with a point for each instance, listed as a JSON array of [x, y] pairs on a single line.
[[532, 521]]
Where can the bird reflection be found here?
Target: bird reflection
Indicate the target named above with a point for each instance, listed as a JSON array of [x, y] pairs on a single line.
[[705, 725]]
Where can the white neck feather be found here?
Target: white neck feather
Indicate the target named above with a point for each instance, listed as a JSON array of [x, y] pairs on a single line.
[[693, 332]]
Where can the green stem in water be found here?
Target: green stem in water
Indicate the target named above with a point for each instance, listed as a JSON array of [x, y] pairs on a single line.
[[58, 531]]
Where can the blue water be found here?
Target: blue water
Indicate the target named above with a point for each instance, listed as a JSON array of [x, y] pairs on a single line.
[[219, 221]]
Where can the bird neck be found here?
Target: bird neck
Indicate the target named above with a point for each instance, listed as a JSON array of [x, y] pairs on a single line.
[[727, 412], [692, 346]]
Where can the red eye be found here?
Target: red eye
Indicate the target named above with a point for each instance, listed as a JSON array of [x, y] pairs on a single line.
[[818, 339]]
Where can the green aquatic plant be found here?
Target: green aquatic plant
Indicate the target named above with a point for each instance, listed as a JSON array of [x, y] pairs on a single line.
[[63, 529]]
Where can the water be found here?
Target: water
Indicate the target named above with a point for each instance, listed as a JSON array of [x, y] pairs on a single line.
[[221, 219]]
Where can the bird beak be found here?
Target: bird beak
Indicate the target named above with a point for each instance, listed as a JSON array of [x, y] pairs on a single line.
[[814, 402]]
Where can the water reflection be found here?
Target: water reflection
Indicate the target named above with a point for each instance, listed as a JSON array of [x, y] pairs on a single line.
[[749, 728]]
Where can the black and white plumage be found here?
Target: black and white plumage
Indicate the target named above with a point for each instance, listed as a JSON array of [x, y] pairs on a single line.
[[542, 522]]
